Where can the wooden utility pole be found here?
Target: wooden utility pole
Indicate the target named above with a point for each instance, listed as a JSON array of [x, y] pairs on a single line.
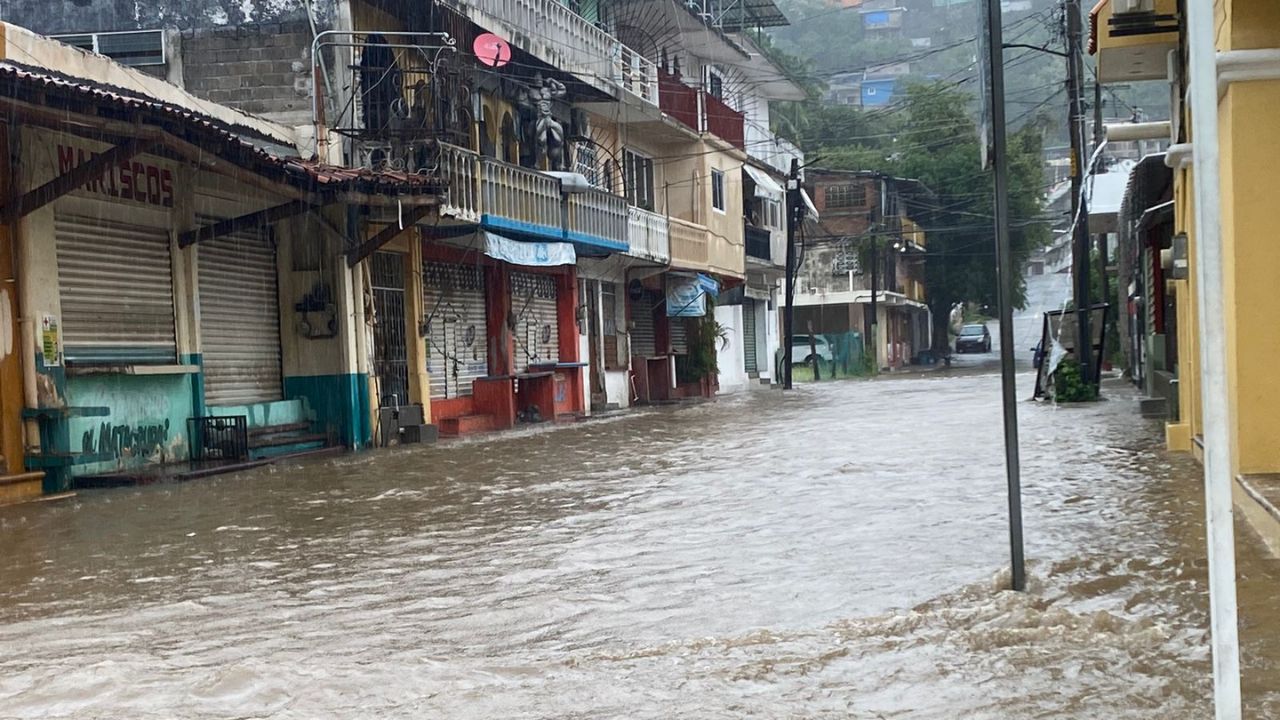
[[794, 218]]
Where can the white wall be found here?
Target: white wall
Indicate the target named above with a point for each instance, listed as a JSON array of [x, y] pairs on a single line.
[[733, 374], [768, 328], [617, 387]]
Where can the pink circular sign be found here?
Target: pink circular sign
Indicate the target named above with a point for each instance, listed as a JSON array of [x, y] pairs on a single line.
[[492, 50]]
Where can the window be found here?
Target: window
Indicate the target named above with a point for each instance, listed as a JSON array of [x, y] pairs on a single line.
[[717, 190], [715, 83], [637, 178], [852, 195], [773, 214], [132, 47], [587, 163]]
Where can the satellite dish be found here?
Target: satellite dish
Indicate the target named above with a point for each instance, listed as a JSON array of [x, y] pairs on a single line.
[[492, 50]]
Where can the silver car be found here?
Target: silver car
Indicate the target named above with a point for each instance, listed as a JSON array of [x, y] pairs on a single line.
[[800, 352]]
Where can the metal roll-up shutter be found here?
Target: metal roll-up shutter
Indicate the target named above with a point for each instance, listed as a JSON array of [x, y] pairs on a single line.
[[239, 318], [533, 304], [679, 336], [457, 333], [643, 335], [116, 284], [749, 335]]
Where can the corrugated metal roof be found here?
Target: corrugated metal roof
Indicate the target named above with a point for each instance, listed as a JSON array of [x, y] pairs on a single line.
[[240, 145]]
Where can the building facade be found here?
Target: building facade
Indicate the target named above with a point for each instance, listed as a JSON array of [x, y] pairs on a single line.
[[440, 219], [862, 267]]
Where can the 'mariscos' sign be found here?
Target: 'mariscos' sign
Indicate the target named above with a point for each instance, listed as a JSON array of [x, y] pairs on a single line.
[[126, 180]]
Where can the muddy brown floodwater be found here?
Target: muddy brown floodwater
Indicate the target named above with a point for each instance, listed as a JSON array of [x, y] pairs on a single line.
[[830, 554]]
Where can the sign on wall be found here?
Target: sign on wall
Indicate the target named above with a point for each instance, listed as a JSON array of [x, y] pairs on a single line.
[[50, 341]]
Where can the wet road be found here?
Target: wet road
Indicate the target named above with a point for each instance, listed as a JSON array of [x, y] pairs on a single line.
[[833, 553]]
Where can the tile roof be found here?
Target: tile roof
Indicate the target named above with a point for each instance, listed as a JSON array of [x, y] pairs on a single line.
[[238, 144]]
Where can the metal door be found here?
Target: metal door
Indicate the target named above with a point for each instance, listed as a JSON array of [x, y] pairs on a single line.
[[391, 353], [640, 312], [533, 305], [679, 335], [457, 337], [116, 284], [749, 335], [239, 318]]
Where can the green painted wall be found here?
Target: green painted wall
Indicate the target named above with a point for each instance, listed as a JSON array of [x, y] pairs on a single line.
[[147, 423], [339, 404]]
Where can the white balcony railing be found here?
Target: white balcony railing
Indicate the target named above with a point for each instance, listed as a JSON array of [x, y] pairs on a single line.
[[566, 40], [516, 193], [688, 244], [461, 169], [648, 235], [598, 214]]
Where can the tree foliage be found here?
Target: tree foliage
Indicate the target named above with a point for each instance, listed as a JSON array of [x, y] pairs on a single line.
[[931, 137]]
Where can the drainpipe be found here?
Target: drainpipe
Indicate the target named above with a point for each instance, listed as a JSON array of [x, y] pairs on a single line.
[[1203, 85]]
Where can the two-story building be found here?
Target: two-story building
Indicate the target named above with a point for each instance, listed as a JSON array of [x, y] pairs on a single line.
[[1148, 41], [862, 265]]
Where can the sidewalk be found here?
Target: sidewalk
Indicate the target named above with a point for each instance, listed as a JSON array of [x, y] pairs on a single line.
[[1258, 498]]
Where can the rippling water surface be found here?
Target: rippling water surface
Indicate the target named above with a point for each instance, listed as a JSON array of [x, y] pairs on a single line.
[[833, 553]]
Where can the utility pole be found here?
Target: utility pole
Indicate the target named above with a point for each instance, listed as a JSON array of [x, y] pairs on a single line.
[[1079, 205], [1004, 260], [794, 218], [873, 326]]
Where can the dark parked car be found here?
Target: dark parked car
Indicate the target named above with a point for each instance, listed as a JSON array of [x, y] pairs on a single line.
[[973, 338], [1037, 355]]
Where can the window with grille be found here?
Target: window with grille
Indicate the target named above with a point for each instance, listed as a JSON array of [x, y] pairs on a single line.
[[134, 47], [851, 195], [586, 162]]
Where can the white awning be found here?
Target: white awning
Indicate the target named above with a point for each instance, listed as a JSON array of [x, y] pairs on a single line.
[[766, 187], [810, 208]]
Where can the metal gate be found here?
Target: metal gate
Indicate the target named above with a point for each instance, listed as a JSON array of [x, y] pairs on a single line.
[[679, 335], [457, 337], [537, 334], [749, 335], [643, 335], [391, 353], [116, 284], [239, 318]]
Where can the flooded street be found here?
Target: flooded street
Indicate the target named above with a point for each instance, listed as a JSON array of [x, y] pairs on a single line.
[[833, 553]]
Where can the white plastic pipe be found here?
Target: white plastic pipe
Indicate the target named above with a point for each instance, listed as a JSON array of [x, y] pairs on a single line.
[[1203, 86], [1127, 132], [1178, 156], [1246, 65]]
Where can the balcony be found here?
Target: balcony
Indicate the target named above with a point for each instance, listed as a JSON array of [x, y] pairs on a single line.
[[689, 243], [648, 235], [564, 39], [508, 198], [596, 217], [758, 243], [700, 111], [725, 257], [773, 150]]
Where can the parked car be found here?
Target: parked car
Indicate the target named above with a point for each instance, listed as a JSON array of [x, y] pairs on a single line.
[[1037, 355], [973, 338], [800, 352]]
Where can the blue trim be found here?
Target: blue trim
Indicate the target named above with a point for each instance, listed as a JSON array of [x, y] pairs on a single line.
[[542, 232], [198, 407], [340, 404], [596, 242]]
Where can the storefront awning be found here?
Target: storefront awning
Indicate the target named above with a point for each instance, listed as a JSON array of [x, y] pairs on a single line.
[[766, 187], [528, 253], [811, 210]]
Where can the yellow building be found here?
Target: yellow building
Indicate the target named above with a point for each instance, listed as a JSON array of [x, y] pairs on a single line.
[[1148, 45]]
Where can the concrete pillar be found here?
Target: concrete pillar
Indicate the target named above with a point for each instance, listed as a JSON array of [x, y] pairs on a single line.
[[414, 316]]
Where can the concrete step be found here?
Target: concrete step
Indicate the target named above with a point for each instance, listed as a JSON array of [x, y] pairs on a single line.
[[278, 429], [258, 442], [467, 425], [1156, 407]]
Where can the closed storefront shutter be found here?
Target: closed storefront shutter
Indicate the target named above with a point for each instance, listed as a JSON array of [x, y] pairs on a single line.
[[533, 304], [116, 284], [457, 337], [239, 318], [679, 336], [640, 312], [749, 335]]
